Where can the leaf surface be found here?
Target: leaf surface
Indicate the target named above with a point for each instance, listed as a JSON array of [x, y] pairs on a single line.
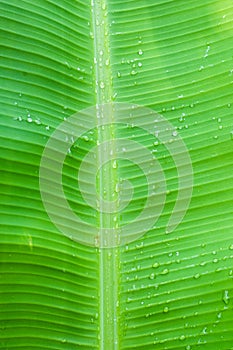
[[161, 291]]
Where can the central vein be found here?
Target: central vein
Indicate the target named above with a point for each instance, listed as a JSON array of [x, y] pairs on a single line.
[[108, 257]]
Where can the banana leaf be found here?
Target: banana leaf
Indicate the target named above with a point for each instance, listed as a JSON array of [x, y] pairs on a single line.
[[168, 284]]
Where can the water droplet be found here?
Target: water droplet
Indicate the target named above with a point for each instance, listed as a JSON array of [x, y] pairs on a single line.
[[188, 347], [207, 51], [204, 331], [86, 138], [47, 127], [102, 85], [140, 52], [117, 187], [38, 121], [165, 272], [197, 276], [166, 309], [226, 297], [152, 276], [155, 265], [175, 133], [114, 164], [118, 74], [29, 119], [182, 337]]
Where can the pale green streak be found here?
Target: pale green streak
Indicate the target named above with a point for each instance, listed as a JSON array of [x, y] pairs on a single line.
[[108, 257]]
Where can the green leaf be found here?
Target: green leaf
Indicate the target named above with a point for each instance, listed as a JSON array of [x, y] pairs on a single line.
[[156, 290]]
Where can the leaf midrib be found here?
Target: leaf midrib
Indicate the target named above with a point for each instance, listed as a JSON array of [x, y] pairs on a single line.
[[108, 257]]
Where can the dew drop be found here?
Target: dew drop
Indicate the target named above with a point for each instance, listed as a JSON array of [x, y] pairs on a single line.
[[117, 187], [226, 297], [152, 276], [155, 265], [166, 309], [114, 164], [182, 337], [165, 272], [102, 85], [204, 331], [133, 72], [140, 52], [38, 121], [86, 138]]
